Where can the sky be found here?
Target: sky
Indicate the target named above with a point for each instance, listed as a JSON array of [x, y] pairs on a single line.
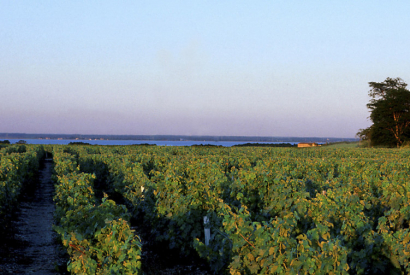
[[229, 68]]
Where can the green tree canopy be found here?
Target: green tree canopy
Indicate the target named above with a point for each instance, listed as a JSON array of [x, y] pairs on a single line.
[[390, 113]]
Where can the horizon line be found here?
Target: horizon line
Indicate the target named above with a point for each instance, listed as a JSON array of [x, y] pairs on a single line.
[[177, 135]]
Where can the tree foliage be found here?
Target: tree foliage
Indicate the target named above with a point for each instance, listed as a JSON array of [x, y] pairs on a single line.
[[390, 113]]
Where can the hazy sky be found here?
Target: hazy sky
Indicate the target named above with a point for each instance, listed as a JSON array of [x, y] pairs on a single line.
[[257, 68]]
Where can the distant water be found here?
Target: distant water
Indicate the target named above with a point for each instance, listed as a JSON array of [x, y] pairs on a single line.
[[131, 142]]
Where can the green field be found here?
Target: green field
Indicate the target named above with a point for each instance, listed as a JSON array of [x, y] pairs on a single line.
[[326, 210]]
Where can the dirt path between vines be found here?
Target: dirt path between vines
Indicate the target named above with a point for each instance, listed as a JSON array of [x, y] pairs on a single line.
[[29, 246]]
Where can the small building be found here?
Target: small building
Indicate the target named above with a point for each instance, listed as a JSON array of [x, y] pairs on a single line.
[[307, 144]]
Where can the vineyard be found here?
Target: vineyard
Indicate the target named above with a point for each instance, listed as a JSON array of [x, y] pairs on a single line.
[[240, 210]]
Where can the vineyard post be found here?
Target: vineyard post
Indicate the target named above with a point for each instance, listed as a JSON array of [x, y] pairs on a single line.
[[207, 230]]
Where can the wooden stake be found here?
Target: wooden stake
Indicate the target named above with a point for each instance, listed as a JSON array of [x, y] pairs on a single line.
[[207, 231]]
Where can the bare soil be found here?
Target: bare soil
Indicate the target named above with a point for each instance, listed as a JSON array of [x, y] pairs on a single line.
[[28, 244]]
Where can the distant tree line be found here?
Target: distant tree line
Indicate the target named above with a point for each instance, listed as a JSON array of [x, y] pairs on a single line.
[[78, 143], [144, 144], [390, 113], [205, 145], [265, 145]]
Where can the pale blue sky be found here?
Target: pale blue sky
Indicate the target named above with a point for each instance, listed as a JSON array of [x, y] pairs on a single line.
[[257, 68]]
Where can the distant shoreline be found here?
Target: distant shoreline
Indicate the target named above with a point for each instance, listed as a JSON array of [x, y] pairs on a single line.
[[79, 137], [150, 143]]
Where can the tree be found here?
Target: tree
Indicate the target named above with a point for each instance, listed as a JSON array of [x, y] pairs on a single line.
[[390, 113]]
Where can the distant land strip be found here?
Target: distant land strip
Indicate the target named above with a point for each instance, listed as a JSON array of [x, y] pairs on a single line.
[[175, 138]]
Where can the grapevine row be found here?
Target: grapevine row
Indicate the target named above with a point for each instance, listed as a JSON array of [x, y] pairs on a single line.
[[271, 211], [18, 164], [97, 235]]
